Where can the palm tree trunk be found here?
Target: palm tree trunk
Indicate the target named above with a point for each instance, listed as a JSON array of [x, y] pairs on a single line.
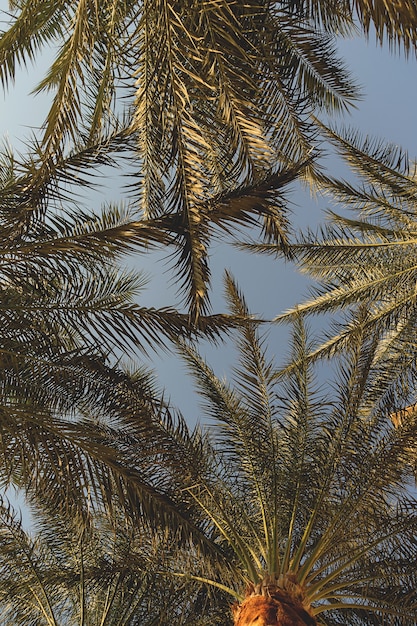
[[268, 604]]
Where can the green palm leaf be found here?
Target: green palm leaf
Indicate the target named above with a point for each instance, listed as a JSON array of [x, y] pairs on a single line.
[[215, 96], [301, 490], [367, 260], [94, 570]]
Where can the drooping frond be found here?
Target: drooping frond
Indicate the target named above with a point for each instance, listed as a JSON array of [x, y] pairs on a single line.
[[95, 568], [31, 27], [366, 260], [394, 22]]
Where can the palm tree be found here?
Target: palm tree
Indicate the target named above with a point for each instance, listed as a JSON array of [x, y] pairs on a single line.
[[94, 570], [67, 318], [208, 80], [305, 497], [207, 98], [69, 312]]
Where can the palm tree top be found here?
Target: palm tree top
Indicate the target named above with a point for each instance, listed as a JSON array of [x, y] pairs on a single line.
[[303, 496], [207, 100]]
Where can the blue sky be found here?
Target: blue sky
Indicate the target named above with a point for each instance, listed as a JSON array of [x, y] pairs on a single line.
[[387, 112]]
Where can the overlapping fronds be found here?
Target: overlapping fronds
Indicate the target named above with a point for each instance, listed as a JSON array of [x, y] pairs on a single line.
[[96, 569], [285, 480], [392, 21], [367, 260], [306, 484], [221, 88], [67, 312], [213, 97], [60, 322], [92, 440], [257, 203], [54, 285]]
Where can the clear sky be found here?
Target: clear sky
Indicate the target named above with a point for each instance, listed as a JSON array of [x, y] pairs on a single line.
[[387, 112]]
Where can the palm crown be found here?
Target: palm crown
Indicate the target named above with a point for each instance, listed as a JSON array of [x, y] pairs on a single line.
[[304, 498], [309, 495], [206, 97]]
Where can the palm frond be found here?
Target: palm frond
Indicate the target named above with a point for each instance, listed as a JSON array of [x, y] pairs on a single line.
[[261, 201], [394, 22], [30, 28], [312, 488], [96, 568], [391, 22], [368, 258]]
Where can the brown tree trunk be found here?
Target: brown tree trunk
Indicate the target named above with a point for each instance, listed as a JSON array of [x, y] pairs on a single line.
[[269, 605]]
